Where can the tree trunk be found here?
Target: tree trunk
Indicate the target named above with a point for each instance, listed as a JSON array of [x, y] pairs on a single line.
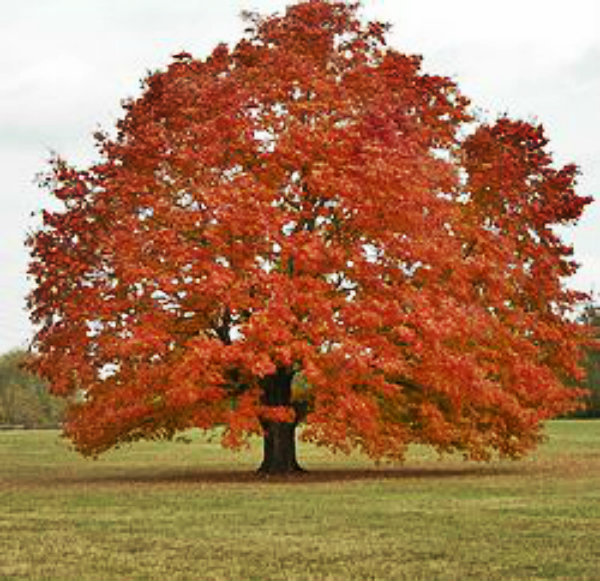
[[279, 456], [279, 450]]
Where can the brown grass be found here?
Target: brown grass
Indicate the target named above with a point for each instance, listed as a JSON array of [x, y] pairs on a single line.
[[171, 511]]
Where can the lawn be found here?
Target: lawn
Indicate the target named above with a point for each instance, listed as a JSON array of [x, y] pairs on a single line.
[[169, 511]]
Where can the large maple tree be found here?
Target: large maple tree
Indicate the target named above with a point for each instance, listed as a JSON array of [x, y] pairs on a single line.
[[308, 228]]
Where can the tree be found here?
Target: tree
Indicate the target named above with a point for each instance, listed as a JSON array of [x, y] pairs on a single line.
[[24, 398], [591, 364], [306, 210]]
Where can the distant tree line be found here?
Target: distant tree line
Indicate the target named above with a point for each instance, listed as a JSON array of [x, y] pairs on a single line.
[[24, 398], [591, 316]]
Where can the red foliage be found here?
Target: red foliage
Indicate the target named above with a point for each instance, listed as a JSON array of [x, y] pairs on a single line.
[[307, 203]]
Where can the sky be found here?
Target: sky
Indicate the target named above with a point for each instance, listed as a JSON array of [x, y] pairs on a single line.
[[66, 65]]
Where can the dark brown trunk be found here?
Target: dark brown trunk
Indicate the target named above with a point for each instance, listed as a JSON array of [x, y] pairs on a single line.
[[279, 438], [279, 455]]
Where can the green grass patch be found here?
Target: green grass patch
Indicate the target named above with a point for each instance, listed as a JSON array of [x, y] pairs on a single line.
[[196, 512]]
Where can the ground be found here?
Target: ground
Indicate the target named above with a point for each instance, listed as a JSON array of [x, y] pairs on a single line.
[[192, 511]]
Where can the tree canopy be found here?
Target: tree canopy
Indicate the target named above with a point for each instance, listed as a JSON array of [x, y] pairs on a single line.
[[591, 363], [24, 398], [309, 208]]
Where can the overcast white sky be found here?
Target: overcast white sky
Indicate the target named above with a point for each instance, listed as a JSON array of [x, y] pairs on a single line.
[[65, 65]]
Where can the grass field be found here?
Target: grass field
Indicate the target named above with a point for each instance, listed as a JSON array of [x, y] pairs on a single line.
[[170, 511]]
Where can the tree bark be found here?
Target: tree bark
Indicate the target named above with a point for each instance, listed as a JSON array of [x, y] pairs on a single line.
[[279, 456], [279, 438]]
